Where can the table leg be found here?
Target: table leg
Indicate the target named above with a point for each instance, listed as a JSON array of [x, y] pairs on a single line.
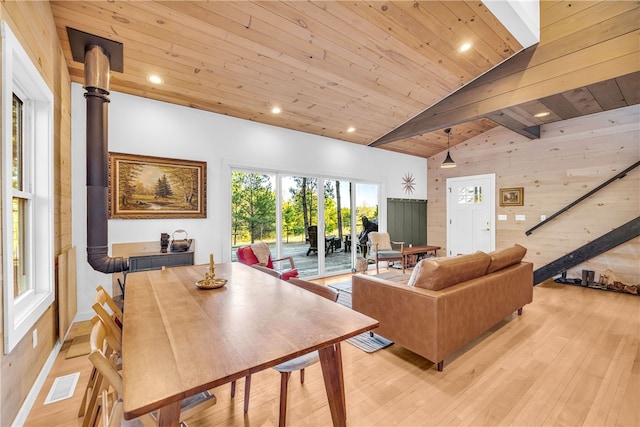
[[169, 416], [331, 363]]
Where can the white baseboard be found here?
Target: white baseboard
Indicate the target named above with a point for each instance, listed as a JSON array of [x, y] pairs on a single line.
[[23, 413]]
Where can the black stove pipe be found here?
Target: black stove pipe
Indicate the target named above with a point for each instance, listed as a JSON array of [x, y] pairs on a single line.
[[96, 76]]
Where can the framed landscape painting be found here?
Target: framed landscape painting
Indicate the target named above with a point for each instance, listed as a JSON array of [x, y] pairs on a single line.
[[156, 187]]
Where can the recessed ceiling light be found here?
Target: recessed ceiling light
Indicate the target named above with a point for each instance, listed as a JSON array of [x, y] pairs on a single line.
[[542, 114], [276, 110], [351, 129], [465, 47], [155, 79]]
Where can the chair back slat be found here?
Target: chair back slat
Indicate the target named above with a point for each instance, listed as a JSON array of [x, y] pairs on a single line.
[[113, 306], [316, 288], [102, 361], [109, 320]]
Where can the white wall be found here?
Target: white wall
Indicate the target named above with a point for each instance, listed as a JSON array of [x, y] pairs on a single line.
[[142, 126], [520, 17]]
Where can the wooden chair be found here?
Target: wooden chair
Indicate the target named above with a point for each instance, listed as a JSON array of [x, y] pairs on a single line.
[[110, 410], [113, 306], [381, 249], [267, 270], [113, 322], [313, 239], [105, 364], [104, 360], [297, 364], [329, 244]]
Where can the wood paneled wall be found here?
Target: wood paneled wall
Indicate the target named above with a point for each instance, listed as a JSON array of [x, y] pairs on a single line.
[[33, 25], [570, 159]]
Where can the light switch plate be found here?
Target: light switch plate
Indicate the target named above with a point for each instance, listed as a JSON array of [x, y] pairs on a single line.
[[502, 217], [520, 217]]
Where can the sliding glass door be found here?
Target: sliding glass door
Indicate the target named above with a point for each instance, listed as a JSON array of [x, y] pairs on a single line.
[[300, 222], [316, 225], [337, 225], [253, 208], [366, 201]]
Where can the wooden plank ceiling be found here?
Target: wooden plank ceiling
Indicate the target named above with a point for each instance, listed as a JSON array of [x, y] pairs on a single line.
[[333, 65]]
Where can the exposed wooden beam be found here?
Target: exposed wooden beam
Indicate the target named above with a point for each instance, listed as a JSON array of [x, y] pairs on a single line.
[[531, 132], [562, 61]]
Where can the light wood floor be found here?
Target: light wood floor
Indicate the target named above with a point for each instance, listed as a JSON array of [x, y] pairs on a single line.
[[572, 359]]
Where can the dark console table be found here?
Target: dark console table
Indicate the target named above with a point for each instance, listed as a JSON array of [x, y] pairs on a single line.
[[155, 261], [144, 256]]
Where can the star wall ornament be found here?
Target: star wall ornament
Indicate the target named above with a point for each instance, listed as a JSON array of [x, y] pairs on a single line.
[[408, 183]]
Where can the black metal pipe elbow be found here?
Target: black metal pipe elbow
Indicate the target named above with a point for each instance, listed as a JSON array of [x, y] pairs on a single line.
[[100, 261]]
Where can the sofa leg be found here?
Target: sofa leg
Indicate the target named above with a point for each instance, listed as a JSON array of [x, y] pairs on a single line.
[[520, 311], [371, 334], [440, 365]]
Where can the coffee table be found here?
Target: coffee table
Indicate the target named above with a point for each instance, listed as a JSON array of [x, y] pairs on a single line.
[[417, 250]]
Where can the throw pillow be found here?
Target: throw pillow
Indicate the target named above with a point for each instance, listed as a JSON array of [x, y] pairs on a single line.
[[415, 273], [263, 253], [506, 257], [246, 256], [288, 274]]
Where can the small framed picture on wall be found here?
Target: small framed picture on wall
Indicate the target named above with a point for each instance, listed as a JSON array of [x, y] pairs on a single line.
[[512, 196]]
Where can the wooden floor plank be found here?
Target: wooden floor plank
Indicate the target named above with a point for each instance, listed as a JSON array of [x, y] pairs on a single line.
[[572, 358]]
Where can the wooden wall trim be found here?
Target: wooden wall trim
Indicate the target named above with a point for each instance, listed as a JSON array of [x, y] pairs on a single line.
[[33, 25]]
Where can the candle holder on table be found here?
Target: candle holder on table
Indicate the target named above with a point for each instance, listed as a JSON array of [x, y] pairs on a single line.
[[210, 281]]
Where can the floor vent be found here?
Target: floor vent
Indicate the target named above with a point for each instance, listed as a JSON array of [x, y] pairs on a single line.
[[62, 388]]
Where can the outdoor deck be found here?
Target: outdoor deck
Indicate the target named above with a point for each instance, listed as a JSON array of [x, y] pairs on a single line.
[[336, 262]]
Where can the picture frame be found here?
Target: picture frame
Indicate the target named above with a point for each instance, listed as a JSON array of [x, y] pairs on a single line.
[[156, 187], [512, 196]]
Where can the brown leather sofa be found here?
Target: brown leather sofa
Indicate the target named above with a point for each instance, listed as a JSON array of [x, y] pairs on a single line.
[[446, 302]]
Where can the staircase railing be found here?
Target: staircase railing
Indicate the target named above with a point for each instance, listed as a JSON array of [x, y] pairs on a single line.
[[595, 190], [615, 237]]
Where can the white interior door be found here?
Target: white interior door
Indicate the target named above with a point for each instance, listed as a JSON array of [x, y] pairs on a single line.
[[471, 214]]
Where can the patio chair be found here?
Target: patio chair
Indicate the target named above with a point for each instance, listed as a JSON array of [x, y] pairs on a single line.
[[381, 249], [313, 239], [259, 254], [329, 242]]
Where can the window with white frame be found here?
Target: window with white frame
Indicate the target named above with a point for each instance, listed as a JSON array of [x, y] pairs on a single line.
[[27, 191]]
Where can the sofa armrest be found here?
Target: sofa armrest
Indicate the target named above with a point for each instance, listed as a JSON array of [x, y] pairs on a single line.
[[476, 305], [408, 315]]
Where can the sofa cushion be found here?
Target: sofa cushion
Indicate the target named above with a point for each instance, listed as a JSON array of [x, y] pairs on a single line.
[[506, 257], [439, 273]]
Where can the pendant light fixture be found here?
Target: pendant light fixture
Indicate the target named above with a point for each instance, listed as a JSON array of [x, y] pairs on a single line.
[[448, 161]]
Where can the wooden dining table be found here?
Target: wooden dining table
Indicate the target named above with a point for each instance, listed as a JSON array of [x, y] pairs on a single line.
[[179, 340]]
